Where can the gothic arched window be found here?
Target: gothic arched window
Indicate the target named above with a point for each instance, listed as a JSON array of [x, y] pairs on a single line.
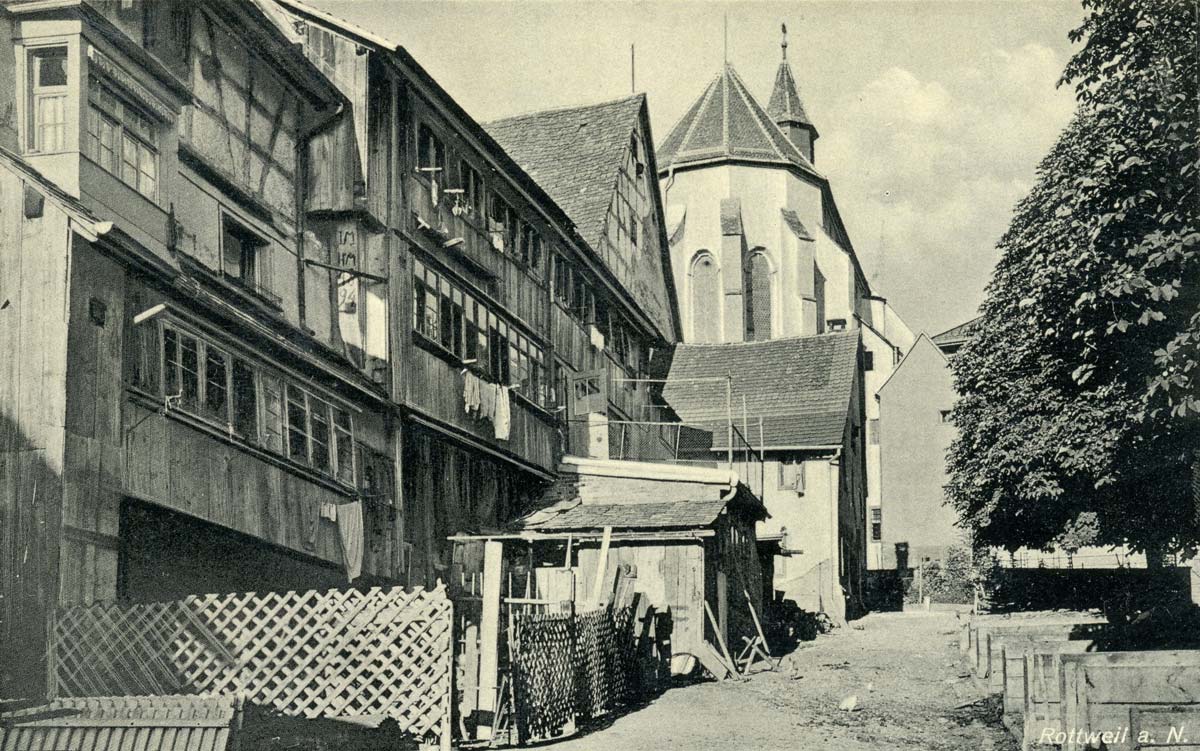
[[705, 310], [758, 297]]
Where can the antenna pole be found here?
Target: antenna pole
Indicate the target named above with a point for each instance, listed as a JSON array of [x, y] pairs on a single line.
[[632, 71], [726, 49]]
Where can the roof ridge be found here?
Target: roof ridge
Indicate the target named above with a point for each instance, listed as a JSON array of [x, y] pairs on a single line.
[[641, 96], [776, 340]]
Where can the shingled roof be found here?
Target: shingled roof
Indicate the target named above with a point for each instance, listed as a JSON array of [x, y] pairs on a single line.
[[728, 123], [574, 154], [800, 386], [785, 105]]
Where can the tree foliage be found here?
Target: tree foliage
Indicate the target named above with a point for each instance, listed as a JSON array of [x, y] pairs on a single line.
[[1080, 394]]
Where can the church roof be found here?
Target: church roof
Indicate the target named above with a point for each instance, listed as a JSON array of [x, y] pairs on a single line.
[[574, 154], [785, 105], [728, 124], [800, 386]]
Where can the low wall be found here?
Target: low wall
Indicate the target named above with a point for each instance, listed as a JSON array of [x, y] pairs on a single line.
[[1016, 589]]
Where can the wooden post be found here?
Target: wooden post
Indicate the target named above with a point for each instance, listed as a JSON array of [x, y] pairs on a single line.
[[601, 562], [489, 635], [712, 619]]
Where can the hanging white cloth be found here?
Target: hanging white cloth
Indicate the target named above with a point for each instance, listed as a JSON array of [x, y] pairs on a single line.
[[502, 421], [350, 532]]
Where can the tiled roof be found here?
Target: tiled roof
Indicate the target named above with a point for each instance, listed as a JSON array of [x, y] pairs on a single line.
[[727, 123], [800, 386], [574, 154], [701, 513], [785, 105], [797, 227], [958, 333]]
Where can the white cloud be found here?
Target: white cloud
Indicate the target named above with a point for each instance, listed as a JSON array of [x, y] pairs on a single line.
[[937, 163]]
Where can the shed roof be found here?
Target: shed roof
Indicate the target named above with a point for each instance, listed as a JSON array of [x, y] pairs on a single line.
[[800, 386], [670, 514]]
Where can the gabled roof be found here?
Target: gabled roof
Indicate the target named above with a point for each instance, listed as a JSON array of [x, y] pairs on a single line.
[[785, 105], [575, 154], [801, 387], [727, 124], [959, 333]]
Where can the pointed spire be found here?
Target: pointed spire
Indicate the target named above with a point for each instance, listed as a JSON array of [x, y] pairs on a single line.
[[785, 107]]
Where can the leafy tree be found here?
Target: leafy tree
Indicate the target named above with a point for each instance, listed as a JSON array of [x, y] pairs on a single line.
[[1080, 392]]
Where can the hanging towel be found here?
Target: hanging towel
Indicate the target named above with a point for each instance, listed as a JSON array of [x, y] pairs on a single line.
[[329, 511], [487, 400], [350, 532], [502, 420], [471, 389]]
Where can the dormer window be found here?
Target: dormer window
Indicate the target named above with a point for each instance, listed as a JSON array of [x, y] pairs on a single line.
[[46, 131]]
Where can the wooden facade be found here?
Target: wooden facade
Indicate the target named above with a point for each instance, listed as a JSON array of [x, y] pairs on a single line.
[[183, 374]]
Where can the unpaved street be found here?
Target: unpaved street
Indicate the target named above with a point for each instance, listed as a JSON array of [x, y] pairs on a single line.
[[903, 669]]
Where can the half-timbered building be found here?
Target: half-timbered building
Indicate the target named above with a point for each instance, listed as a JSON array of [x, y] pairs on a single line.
[[181, 410]]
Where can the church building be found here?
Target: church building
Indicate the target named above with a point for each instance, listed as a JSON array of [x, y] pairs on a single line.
[[759, 253]]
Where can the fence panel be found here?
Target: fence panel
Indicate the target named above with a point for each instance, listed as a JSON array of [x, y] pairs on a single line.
[[381, 652], [568, 668]]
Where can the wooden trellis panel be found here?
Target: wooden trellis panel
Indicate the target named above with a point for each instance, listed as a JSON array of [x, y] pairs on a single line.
[[309, 654]]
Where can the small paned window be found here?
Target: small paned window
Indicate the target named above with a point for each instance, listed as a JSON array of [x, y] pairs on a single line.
[[876, 524], [121, 139], [47, 118]]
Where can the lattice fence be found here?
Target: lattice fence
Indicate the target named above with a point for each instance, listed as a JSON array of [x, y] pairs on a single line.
[[569, 667], [382, 652]]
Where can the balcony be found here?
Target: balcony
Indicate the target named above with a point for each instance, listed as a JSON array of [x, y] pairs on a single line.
[[660, 437], [458, 233]]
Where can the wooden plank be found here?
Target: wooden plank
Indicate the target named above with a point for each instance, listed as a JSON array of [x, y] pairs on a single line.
[[712, 620], [489, 633], [601, 563]]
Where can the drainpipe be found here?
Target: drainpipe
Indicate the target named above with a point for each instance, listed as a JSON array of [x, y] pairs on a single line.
[[301, 188]]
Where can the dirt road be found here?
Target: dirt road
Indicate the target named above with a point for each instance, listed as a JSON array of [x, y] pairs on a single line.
[[903, 668]]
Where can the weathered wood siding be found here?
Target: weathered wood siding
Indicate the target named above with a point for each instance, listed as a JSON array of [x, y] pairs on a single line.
[[450, 489], [669, 574], [34, 259]]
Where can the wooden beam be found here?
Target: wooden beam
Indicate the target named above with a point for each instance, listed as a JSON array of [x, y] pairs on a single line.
[[601, 564], [489, 635], [712, 619]]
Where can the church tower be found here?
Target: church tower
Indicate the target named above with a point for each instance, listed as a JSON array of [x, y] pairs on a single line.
[[786, 109]]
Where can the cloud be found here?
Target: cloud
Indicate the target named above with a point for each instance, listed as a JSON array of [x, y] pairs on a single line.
[[935, 165]]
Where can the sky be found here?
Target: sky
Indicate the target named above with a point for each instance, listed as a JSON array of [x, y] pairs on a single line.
[[932, 115]]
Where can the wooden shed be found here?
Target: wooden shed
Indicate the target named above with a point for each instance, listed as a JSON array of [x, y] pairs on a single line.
[[683, 536]]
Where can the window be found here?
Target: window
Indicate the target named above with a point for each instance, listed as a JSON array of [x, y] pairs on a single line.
[[242, 255], [705, 299], [502, 226], [873, 431], [46, 128], [321, 46], [758, 298], [868, 360], [471, 185], [431, 155], [376, 475], [530, 251], [249, 402], [836, 324], [791, 475], [121, 139], [876, 524], [454, 321], [945, 417]]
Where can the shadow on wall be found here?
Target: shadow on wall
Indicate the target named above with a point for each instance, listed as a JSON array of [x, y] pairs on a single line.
[[30, 516]]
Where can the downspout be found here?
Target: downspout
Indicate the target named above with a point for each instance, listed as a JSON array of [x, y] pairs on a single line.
[[301, 197], [670, 181]]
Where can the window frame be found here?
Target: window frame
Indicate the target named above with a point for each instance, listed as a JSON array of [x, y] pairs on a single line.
[[36, 93], [129, 126]]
